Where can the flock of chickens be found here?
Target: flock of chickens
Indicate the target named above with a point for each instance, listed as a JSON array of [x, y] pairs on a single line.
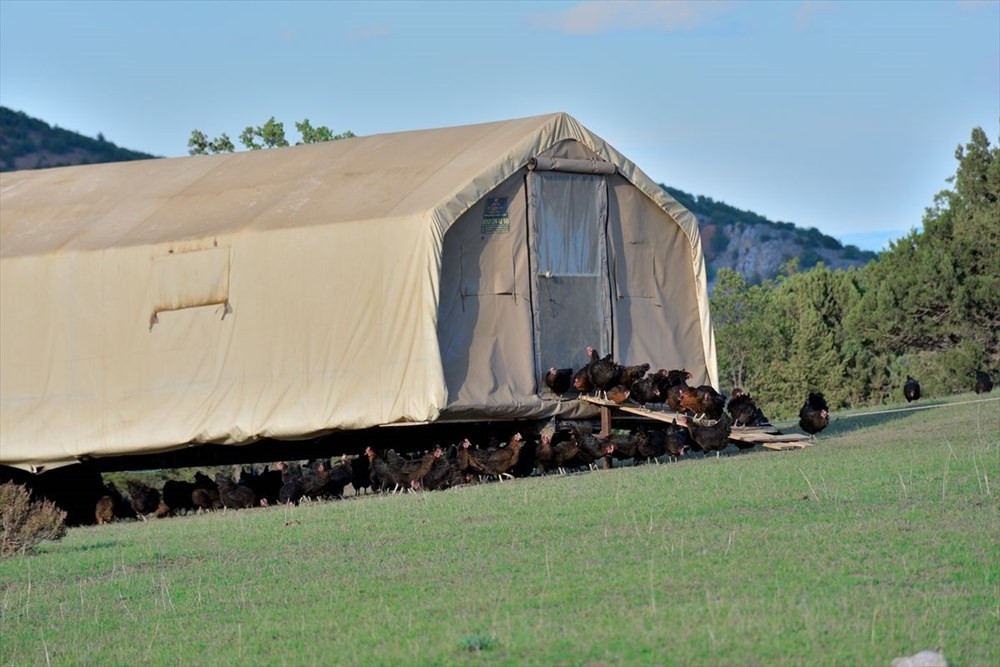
[[707, 406], [572, 446]]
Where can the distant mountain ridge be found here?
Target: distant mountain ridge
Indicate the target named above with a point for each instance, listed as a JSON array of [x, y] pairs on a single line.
[[29, 143], [733, 238], [757, 247]]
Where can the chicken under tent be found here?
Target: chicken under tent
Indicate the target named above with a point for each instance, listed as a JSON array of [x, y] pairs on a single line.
[[415, 278]]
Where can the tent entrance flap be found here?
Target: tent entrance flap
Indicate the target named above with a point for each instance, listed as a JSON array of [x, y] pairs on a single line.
[[571, 300]]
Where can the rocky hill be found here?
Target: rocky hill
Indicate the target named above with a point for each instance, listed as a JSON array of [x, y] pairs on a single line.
[[758, 247], [29, 143]]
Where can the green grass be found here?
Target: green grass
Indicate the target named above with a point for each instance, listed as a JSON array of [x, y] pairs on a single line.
[[880, 541]]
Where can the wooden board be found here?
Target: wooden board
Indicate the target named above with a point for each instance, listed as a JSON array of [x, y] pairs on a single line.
[[765, 437], [598, 401], [781, 446], [660, 415], [756, 429]]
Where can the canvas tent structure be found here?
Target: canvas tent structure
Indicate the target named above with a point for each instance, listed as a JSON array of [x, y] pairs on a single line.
[[410, 277]]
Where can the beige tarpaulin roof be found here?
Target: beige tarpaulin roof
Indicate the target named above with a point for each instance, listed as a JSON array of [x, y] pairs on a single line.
[[280, 293]]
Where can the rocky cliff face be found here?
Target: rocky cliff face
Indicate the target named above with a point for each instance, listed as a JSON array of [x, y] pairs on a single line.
[[757, 247], [758, 251]]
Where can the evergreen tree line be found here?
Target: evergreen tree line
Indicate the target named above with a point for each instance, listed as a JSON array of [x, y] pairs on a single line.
[[929, 306]]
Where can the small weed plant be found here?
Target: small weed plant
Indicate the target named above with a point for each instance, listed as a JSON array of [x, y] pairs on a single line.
[[479, 642], [26, 523]]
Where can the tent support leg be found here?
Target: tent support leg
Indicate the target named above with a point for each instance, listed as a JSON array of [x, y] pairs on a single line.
[[605, 422]]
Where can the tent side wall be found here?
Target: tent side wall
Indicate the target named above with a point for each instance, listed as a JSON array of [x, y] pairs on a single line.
[[484, 313], [319, 330]]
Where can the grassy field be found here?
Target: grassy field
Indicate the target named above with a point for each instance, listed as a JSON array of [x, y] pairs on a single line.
[[880, 541]]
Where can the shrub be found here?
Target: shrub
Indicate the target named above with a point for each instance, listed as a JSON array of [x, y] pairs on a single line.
[[26, 523], [479, 642], [809, 258]]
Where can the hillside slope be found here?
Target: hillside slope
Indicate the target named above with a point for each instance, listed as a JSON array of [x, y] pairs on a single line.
[[29, 143], [757, 247]]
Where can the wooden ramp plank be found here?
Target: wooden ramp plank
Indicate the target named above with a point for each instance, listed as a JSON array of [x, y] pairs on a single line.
[[782, 446], [668, 416], [766, 437], [598, 401], [756, 429]]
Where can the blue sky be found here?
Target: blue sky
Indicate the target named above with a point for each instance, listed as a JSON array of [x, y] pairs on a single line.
[[838, 115]]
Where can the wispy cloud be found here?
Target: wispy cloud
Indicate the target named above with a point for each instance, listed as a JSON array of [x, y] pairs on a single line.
[[601, 16], [369, 32], [806, 15]]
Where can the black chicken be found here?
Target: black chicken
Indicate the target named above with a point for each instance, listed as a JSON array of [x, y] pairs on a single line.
[[556, 455], [444, 474], [233, 495], [911, 389], [670, 384], [814, 415], [394, 473], [712, 438], [559, 380], [266, 484], [144, 500], [626, 446], [581, 381], [543, 454], [292, 487], [650, 445], [627, 375], [744, 411], [205, 495], [604, 372], [984, 383], [645, 391], [677, 440], [340, 476], [361, 477], [591, 448], [176, 496], [315, 478], [526, 459]]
